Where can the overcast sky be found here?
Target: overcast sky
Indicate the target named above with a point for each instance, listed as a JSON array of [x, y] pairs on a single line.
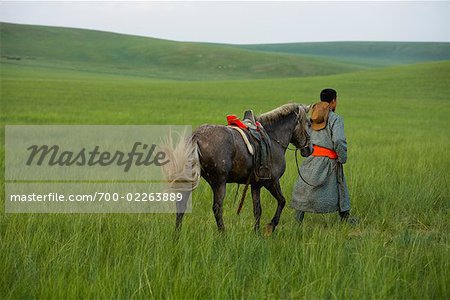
[[245, 22]]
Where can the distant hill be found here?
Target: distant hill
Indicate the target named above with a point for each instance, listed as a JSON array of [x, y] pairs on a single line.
[[111, 53], [365, 53], [117, 53]]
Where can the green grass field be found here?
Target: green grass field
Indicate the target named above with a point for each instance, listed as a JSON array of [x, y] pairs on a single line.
[[398, 134]]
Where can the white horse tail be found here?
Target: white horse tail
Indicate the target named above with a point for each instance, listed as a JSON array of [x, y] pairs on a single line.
[[183, 169]]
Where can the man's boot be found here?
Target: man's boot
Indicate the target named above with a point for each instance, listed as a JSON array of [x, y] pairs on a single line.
[[344, 215], [299, 216]]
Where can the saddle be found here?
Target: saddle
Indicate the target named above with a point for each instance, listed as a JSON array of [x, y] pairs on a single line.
[[254, 134]]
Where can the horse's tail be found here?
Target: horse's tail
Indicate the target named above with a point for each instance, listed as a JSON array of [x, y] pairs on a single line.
[[183, 168]]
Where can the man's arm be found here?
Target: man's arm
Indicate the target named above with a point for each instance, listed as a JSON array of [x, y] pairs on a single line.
[[339, 140]]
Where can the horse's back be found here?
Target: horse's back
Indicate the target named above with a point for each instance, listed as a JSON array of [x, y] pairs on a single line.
[[223, 154]]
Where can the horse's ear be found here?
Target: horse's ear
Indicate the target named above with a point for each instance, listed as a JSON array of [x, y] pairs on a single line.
[[306, 107]]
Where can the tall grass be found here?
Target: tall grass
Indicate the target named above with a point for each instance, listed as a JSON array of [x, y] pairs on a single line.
[[397, 128]]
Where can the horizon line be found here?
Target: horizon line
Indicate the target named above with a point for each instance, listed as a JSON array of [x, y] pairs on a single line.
[[221, 43]]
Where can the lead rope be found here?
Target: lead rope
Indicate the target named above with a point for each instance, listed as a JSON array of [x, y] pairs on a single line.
[[298, 169], [244, 193]]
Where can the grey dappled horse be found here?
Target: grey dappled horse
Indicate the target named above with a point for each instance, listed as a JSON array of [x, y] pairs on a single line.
[[219, 155]]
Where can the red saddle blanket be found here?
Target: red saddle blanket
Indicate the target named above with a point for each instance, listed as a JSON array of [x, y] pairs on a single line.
[[233, 120]]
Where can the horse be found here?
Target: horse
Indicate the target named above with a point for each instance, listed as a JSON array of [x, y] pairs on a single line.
[[219, 154]]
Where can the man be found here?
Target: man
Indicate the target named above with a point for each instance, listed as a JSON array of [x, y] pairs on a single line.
[[321, 186]]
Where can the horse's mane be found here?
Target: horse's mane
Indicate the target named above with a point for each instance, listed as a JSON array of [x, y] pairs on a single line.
[[278, 113]]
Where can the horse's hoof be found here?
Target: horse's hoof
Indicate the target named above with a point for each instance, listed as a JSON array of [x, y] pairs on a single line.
[[268, 230]]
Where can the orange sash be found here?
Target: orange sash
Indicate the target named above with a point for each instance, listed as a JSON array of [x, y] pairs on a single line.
[[322, 151]]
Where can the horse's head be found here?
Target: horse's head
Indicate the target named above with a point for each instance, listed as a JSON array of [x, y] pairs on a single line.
[[301, 137], [290, 125]]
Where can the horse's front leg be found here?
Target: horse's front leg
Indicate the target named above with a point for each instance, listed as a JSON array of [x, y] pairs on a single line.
[[256, 191], [219, 194], [275, 189]]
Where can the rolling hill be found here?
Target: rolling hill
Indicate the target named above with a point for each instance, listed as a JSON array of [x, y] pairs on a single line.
[[111, 53], [365, 53], [117, 53]]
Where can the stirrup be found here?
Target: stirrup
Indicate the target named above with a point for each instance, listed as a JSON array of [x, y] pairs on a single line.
[[249, 119]]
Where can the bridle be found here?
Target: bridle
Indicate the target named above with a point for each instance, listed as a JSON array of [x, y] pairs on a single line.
[[307, 139]]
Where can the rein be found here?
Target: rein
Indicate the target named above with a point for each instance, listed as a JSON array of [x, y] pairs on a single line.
[[281, 144]]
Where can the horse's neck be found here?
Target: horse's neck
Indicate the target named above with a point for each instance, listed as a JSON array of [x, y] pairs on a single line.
[[282, 130]]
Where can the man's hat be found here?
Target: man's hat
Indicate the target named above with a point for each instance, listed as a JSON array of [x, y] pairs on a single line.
[[319, 115]]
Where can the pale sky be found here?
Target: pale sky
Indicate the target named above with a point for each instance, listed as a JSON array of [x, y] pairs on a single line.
[[245, 22]]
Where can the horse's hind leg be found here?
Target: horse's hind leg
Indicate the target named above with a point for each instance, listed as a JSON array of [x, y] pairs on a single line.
[[181, 208], [219, 194], [275, 189], [256, 191]]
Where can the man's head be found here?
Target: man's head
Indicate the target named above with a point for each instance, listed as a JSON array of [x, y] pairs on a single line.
[[330, 96]]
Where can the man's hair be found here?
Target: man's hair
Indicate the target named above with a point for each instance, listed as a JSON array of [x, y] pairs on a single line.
[[328, 95]]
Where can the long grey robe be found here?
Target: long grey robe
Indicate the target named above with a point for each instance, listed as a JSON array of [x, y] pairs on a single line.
[[321, 188]]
